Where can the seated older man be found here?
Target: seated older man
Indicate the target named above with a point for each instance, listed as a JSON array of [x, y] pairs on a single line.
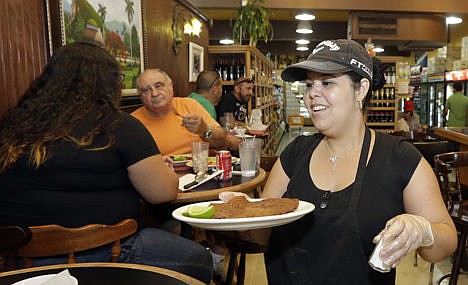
[[174, 122]]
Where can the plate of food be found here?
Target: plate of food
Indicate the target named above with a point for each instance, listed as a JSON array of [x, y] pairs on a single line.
[[241, 214], [212, 161], [181, 159]]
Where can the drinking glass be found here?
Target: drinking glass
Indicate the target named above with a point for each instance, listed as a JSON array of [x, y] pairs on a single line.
[[227, 121], [248, 158], [200, 158]]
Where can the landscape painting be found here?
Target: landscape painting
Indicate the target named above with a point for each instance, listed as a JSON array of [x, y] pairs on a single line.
[[114, 24]]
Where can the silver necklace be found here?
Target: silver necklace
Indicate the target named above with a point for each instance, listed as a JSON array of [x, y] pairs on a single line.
[[333, 157]]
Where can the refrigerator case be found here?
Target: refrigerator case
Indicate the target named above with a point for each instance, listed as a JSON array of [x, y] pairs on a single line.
[[436, 103]]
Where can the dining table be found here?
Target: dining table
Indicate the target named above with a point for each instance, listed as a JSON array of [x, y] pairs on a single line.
[[98, 273], [211, 189]]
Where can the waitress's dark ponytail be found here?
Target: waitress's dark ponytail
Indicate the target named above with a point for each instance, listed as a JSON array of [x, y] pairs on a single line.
[[378, 76]]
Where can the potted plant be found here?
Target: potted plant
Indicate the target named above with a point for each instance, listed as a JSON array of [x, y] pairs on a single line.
[[253, 20]]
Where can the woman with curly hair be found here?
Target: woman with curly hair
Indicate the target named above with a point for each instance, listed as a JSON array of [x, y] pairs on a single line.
[[71, 157]]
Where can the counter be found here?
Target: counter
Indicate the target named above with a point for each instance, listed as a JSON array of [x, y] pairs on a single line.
[[459, 135]]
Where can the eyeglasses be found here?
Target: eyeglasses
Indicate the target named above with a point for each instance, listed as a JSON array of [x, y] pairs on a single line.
[[148, 89], [325, 197], [214, 81], [245, 80]]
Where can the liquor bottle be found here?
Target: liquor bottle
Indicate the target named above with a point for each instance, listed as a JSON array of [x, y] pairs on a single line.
[[223, 69], [228, 70]]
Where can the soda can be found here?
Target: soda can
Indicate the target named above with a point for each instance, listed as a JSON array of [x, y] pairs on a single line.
[[224, 162]]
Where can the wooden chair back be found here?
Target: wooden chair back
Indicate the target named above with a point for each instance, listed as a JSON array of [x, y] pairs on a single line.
[[52, 240], [11, 238], [447, 168]]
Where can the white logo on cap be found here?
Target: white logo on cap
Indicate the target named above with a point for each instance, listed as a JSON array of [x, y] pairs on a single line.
[[331, 45], [361, 66]]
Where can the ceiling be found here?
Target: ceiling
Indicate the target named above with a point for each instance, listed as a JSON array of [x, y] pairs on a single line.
[[329, 23]]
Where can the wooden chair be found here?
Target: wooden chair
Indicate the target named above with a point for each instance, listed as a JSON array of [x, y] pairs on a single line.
[[447, 165], [11, 238], [53, 240]]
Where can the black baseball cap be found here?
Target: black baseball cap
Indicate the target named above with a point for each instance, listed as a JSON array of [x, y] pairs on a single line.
[[332, 57]]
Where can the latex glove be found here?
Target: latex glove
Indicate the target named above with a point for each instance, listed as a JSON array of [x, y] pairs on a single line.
[[226, 196], [402, 235]]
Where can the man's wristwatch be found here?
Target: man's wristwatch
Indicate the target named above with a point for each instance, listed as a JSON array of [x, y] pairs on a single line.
[[208, 134]]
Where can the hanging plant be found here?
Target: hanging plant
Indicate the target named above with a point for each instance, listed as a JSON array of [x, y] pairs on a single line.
[[252, 20]]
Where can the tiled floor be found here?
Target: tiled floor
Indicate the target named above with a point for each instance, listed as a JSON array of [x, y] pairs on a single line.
[[407, 273]]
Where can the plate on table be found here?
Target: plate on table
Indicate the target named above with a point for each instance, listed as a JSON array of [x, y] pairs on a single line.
[[190, 177], [242, 224], [212, 161], [181, 159]]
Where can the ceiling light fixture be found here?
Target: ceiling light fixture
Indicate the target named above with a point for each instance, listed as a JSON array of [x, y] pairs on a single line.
[[304, 27], [453, 20], [302, 42], [226, 42], [378, 49], [304, 17], [302, 48]]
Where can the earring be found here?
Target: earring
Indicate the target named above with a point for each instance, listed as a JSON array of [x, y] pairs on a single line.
[[360, 104]]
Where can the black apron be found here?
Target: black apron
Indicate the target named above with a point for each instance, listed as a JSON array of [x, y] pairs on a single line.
[[324, 247]]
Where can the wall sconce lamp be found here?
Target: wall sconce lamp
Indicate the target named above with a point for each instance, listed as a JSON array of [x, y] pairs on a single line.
[[182, 24]]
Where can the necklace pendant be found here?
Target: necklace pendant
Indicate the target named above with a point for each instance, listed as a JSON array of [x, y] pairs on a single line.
[[332, 159]]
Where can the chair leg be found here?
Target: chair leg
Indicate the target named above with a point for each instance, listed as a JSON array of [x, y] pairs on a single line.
[[241, 270], [458, 258], [231, 267], [431, 273]]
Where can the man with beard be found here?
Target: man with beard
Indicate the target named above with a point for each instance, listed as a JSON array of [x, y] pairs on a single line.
[[176, 122], [236, 102]]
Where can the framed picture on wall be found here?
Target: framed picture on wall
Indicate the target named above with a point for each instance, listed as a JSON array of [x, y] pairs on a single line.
[[117, 25], [195, 61]]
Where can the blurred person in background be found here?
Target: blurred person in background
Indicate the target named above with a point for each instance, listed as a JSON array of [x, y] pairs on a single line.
[[237, 101], [209, 88], [409, 120], [71, 157], [456, 107]]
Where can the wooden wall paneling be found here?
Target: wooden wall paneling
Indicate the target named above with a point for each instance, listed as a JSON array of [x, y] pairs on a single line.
[[158, 26], [23, 48]]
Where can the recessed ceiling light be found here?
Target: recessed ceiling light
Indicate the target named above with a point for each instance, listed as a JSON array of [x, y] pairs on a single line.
[[304, 17], [378, 49], [453, 20], [304, 27], [302, 42], [226, 42], [302, 48]]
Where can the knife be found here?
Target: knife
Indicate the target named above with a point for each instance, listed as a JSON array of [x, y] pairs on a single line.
[[199, 178]]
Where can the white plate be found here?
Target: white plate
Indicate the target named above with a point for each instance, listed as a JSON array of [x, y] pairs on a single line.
[[187, 178], [242, 224], [42, 279], [233, 160], [188, 157]]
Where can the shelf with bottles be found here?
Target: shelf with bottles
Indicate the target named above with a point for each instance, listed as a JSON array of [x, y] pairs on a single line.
[[237, 61]]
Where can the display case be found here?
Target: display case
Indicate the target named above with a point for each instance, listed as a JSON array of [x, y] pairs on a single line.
[[236, 61], [382, 109]]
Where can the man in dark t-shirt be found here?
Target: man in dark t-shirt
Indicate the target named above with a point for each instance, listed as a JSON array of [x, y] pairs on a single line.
[[236, 102]]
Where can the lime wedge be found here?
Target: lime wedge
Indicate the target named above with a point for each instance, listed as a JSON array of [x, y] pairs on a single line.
[[201, 212]]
